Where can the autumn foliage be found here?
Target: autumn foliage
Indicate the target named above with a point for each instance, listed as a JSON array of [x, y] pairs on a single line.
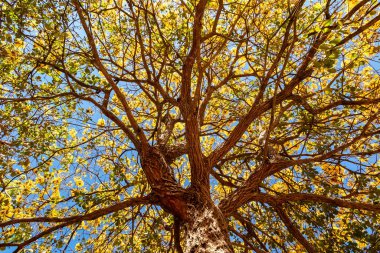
[[190, 126]]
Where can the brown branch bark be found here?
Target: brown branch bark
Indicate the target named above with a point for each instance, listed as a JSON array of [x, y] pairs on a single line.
[[240, 197], [294, 230], [67, 221], [359, 31], [90, 216], [4, 100], [199, 172], [177, 235], [259, 108], [98, 63], [332, 105], [310, 197]]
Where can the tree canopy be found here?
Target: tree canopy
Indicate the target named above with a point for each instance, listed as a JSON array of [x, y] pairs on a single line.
[[127, 125]]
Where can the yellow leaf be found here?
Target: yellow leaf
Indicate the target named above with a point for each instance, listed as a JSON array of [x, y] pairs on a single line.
[[101, 122], [78, 181]]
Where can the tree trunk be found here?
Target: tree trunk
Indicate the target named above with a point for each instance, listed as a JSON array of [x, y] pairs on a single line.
[[205, 225], [206, 232]]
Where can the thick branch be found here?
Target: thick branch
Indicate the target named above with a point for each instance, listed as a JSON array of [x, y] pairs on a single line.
[[310, 197], [90, 216], [199, 172], [67, 221], [294, 230], [195, 48], [359, 31]]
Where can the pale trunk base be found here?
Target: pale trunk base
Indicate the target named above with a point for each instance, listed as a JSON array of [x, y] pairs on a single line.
[[205, 233]]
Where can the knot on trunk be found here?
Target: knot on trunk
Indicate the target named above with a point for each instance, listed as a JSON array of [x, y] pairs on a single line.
[[157, 170], [160, 177]]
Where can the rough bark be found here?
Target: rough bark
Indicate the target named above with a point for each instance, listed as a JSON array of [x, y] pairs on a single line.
[[206, 232], [204, 223], [170, 195]]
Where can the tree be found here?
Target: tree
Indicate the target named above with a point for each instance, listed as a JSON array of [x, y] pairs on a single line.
[[190, 126]]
